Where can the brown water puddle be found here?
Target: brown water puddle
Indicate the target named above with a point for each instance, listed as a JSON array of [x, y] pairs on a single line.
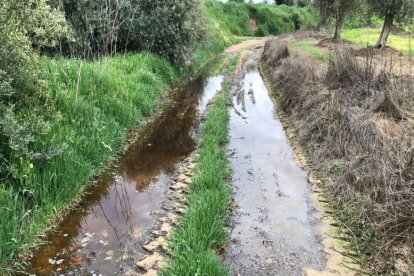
[[275, 229], [120, 210]]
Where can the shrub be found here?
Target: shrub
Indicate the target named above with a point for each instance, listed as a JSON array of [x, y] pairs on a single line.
[[23, 24], [170, 28]]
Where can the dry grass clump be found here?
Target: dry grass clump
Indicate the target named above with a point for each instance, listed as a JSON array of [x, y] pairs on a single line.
[[356, 123], [275, 50]]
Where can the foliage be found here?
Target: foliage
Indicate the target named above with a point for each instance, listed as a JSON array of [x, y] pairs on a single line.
[[170, 28], [401, 9], [24, 25], [391, 10], [335, 9], [271, 19]]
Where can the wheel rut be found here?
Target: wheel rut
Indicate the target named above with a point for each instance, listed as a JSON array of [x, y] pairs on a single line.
[[275, 227]]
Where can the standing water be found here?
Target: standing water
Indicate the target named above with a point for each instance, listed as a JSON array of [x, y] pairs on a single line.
[[274, 226], [119, 210]]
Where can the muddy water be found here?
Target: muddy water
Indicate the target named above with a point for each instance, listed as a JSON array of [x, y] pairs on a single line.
[[121, 209], [275, 231]]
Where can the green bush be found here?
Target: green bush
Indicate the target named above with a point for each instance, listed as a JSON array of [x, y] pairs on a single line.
[[24, 24], [170, 28]]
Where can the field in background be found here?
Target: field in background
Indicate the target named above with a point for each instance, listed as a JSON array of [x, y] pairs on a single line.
[[369, 36]]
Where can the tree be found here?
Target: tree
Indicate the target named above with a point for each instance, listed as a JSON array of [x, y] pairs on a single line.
[[391, 10], [342, 8], [337, 9]]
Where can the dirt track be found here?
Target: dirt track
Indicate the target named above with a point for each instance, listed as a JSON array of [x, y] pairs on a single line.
[[275, 231], [276, 227]]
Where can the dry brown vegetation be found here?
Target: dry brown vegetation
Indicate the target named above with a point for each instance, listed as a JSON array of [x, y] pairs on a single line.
[[356, 124]]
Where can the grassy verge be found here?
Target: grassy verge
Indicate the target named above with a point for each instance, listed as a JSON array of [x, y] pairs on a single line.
[[369, 36], [94, 106], [202, 229]]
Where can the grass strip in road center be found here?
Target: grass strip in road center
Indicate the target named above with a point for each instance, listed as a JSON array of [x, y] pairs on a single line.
[[202, 229]]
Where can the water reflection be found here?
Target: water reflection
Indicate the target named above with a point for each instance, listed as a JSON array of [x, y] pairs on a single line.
[[119, 207]]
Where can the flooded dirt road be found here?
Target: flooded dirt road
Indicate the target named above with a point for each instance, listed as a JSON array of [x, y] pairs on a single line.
[[275, 231], [105, 235], [275, 226]]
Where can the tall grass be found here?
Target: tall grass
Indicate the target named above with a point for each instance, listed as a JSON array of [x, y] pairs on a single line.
[[97, 103], [272, 19], [202, 229]]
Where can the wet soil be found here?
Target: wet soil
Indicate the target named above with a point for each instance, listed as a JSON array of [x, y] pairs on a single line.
[[105, 234], [275, 226]]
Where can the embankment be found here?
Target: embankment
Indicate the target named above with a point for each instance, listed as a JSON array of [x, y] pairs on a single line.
[[354, 124]]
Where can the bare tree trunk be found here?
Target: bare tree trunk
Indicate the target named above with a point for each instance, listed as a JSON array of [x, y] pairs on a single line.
[[339, 26], [386, 29]]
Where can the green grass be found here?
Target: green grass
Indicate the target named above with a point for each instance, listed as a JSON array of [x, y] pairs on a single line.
[[202, 228], [310, 48], [96, 103], [369, 37], [233, 18]]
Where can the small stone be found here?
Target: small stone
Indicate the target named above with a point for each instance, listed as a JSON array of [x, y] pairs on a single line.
[[85, 240], [183, 178], [104, 243], [179, 186], [58, 262], [154, 261], [51, 261], [165, 227], [171, 218], [124, 257], [158, 242], [181, 210]]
